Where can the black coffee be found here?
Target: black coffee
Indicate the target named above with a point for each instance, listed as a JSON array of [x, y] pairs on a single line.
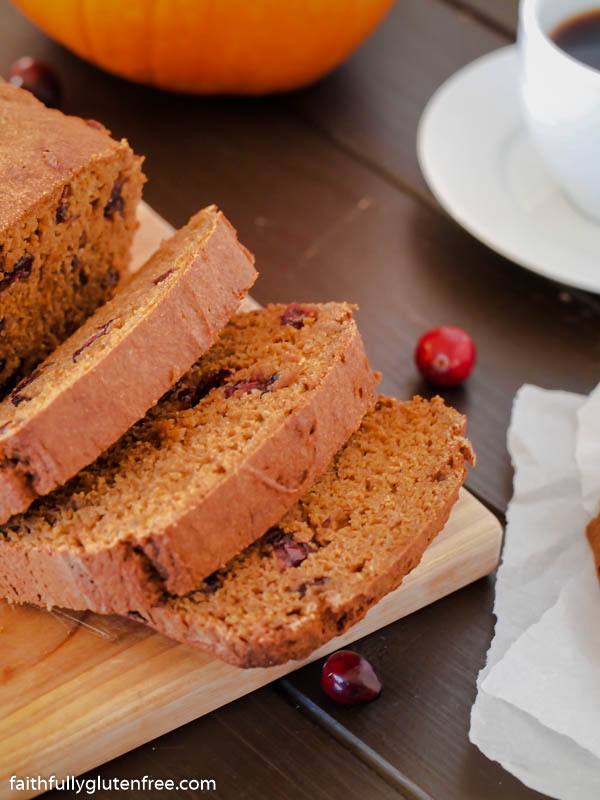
[[580, 37]]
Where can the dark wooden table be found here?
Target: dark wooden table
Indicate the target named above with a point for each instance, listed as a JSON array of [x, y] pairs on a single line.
[[325, 188]]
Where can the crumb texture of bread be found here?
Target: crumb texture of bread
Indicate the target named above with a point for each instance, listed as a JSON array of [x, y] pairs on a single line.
[[351, 539], [67, 219], [122, 360], [209, 469]]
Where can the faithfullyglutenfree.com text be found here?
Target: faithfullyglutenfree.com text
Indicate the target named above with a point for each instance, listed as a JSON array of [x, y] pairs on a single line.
[[38, 784]]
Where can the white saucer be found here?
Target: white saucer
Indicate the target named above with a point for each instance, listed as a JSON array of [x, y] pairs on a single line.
[[481, 165]]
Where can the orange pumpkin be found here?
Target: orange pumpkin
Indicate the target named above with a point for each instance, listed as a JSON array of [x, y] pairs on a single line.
[[211, 46]]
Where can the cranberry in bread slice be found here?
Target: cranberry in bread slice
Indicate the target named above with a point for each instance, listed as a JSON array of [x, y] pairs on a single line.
[[67, 218], [218, 461], [351, 539], [122, 360]]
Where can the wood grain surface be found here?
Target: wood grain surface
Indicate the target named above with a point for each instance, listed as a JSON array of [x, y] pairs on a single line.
[[501, 13], [70, 682], [78, 689], [323, 185]]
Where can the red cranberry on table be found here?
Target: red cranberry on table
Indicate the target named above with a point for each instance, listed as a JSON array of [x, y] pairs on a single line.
[[349, 679], [445, 356], [37, 78]]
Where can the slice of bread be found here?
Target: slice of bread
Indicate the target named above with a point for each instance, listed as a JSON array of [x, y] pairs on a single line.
[[67, 218], [209, 469], [122, 360], [351, 539]]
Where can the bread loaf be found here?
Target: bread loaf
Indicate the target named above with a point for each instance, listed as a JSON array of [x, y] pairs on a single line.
[[351, 539], [122, 360], [209, 469], [67, 218]]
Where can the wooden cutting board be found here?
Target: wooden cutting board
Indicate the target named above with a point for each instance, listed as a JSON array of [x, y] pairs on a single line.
[[77, 689]]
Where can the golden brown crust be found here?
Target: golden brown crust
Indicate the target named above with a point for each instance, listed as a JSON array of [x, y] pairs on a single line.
[[67, 219], [254, 642], [90, 411], [40, 150]]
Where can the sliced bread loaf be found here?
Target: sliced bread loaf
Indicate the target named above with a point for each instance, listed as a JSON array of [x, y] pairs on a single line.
[[209, 469], [122, 360], [67, 218], [351, 539]]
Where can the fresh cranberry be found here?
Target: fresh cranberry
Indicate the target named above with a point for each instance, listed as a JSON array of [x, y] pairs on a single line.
[[37, 78], [349, 679], [445, 356]]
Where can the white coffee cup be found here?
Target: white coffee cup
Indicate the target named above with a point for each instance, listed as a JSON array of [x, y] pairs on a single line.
[[561, 100]]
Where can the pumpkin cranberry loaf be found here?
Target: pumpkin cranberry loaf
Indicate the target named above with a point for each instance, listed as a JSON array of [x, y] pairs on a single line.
[[67, 218], [351, 539], [209, 469], [122, 360]]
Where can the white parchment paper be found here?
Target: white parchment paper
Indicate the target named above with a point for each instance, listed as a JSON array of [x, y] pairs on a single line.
[[537, 710], [587, 451]]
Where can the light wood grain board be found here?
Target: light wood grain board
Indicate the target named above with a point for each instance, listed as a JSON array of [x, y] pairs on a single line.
[[77, 689]]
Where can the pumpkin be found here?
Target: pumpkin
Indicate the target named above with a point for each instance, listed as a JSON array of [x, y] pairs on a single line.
[[211, 46]]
